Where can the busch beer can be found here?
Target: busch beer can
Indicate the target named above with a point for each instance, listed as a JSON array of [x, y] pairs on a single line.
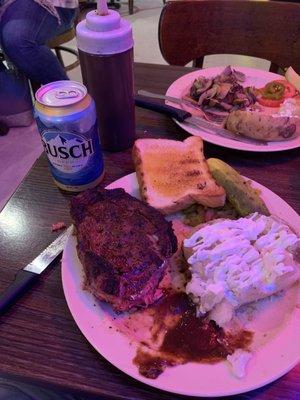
[[66, 118]]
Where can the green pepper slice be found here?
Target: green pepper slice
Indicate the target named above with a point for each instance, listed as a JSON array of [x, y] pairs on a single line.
[[273, 91]]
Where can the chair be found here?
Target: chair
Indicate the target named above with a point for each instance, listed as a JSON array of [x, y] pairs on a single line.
[[111, 3], [115, 4], [57, 44], [130, 5], [190, 30]]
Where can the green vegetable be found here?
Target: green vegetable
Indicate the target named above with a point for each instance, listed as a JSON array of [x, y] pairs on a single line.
[[273, 90], [194, 215], [244, 198]]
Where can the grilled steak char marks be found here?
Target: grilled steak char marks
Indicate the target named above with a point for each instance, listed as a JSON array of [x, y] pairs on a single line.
[[124, 246]]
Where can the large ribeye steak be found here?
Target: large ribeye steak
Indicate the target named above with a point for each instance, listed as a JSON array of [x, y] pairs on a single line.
[[124, 246]]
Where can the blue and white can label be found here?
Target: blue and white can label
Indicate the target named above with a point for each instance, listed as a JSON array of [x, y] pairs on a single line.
[[75, 159], [66, 118]]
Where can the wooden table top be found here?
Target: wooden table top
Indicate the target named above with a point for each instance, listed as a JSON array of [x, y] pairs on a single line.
[[39, 341]]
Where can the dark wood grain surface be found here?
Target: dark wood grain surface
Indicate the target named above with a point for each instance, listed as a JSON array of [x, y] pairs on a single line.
[[264, 29], [39, 341]]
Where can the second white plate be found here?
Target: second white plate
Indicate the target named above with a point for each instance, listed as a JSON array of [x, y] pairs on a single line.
[[254, 77]]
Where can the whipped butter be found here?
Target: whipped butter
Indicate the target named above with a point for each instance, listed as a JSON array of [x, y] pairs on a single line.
[[234, 262]]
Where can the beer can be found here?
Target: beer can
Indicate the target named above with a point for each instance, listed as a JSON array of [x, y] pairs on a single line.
[[66, 118]]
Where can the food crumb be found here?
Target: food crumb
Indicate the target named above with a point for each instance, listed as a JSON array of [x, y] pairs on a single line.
[[58, 226], [238, 362]]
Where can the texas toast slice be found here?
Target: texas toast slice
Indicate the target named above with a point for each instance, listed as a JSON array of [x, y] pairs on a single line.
[[173, 175]]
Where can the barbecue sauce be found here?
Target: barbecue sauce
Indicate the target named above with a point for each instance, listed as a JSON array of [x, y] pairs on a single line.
[[190, 339], [105, 44]]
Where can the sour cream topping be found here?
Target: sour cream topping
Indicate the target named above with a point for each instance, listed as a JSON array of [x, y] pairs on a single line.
[[288, 108], [234, 262]]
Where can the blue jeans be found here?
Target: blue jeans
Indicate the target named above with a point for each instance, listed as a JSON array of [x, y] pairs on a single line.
[[24, 29]]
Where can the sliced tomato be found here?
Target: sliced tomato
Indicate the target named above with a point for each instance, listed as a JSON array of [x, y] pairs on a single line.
[[290, 90], [269, 102]]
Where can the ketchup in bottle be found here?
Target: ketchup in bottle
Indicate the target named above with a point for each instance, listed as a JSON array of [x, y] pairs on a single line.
[[105, 46]]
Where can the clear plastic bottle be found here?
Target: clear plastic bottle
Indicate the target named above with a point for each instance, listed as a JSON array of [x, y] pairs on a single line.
[[105, 46]]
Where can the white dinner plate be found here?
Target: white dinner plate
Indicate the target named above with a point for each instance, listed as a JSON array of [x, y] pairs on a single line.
[[270, 361], [254, 77]]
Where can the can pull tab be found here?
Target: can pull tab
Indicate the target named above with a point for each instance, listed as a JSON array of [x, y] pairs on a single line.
[[66, 94]]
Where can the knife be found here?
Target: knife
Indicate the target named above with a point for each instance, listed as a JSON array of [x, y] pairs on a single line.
[[27, 276], [185, 116]]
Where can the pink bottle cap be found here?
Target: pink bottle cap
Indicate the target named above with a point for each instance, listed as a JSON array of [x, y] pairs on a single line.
[[104, 34]]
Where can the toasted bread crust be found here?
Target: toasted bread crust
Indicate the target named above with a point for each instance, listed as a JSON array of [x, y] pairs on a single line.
[[139, 172], [172, 175]]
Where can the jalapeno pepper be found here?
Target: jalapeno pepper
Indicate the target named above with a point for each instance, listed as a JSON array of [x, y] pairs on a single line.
[[275, 92]]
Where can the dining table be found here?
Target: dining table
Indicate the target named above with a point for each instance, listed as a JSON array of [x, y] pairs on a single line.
[[39, 341]]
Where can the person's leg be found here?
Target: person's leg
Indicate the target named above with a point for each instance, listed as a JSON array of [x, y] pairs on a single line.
[[25, 28]]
